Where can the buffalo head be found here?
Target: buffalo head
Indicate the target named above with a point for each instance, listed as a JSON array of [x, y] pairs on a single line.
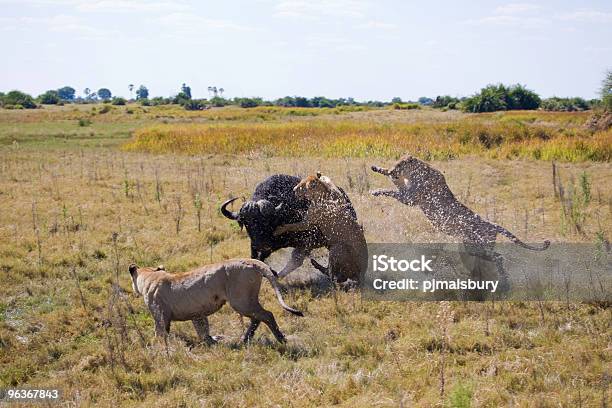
[[252, 212]]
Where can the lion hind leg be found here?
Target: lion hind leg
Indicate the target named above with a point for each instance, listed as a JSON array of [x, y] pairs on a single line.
[[248, 335], [259, 314]]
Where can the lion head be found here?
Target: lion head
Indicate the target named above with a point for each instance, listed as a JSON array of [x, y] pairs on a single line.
[[315, 188]]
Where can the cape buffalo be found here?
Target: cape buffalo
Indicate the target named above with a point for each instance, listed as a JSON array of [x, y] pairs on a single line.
[[272, 204]]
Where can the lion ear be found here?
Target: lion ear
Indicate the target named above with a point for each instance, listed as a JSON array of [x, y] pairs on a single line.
[[318, 174]]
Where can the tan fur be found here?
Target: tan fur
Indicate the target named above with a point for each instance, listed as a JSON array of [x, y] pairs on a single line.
[[419, 184], [201, 292], [333, 214]]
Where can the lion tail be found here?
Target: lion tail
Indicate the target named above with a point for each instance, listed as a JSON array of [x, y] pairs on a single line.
[[269, 274], [518, 242]]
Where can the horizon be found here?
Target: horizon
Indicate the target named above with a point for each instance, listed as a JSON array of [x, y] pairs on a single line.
[[277, 48]]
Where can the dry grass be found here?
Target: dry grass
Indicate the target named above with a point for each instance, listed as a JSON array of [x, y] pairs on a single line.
[[165, 113], [507, 139], [72, 219]]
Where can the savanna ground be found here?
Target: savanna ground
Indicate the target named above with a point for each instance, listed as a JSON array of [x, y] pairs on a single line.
[[86, 190]]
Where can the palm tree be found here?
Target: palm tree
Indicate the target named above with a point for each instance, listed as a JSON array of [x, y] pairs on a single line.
[[209, 90], [87, 91], [221, 90], [131, 88]]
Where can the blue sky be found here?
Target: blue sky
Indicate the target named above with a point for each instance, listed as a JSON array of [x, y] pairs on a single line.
[[366, 49]]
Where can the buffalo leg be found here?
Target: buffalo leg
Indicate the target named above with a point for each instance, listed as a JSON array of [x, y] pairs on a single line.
[[258, 254]]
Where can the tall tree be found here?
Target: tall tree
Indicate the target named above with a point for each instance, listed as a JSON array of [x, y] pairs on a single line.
[[142, 92], [221, 90], [87, 91], [105, 94], [66, 93], [606, 91], [131, 88], [186, 91]]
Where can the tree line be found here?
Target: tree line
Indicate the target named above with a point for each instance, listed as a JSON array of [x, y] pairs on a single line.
[[492, 98]]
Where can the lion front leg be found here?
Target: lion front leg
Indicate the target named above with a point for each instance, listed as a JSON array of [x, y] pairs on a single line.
[[402, 196], [296, 227], [202, 328], [162, 325], [161, 318]]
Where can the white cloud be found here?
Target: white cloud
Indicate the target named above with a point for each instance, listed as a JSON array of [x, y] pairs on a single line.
[[119, 6], [316, 9], [189, 21], [527, 15], [587, 16], [381, 25], [516, 8], [132, 5], [194, 28], [59, 23], [510, 21], [333, 43]]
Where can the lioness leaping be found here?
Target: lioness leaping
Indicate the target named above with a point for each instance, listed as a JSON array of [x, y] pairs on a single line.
[[419, 184], [199, 293], [332, 213]]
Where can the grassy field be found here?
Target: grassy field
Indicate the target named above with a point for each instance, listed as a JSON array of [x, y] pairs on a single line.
[[84, 193]]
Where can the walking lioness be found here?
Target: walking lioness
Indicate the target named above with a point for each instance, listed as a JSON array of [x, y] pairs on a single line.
[[201, 292]]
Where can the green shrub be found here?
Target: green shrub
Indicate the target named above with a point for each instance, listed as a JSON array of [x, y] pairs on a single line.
[[565, 104], [460, 396], [499, 97], [50, 97], [192, 104], [218, 102], [248, 102], [406, 106], [84, 122], [158, 100], [18, 98], [118, 101], [445, 101]]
